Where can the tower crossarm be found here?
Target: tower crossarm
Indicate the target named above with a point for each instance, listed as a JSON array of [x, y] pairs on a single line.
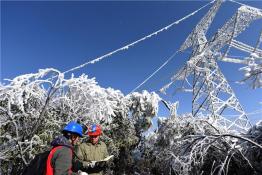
[[234, 26], [197, 36]]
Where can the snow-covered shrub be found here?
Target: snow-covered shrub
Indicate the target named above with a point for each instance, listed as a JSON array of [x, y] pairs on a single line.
[[254, 153], [35, 107], [188, 145]]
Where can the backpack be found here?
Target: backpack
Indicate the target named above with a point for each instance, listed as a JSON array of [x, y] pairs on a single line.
[[37, 166]]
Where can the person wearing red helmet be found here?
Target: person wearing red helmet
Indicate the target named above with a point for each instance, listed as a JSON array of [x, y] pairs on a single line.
[[94, 133], [92, 151]]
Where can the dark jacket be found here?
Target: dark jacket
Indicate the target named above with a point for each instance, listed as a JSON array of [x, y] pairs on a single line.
[[61, 161]]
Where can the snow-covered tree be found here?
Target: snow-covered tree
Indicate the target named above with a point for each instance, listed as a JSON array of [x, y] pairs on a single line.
[[35, 107], [189, 145]]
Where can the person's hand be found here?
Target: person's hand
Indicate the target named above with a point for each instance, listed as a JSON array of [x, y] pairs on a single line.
[[92, 164], [101, 164], [86, 164], [81, 173], [89, 164]]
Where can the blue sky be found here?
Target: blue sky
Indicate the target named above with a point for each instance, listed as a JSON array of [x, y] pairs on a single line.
[[65, 34]]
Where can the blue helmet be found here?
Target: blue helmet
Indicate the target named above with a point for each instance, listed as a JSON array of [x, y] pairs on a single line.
[[74, 127]]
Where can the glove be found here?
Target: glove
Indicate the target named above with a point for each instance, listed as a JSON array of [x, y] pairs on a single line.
[[101, 164], [92, 164], [82, 173], [89, 164]]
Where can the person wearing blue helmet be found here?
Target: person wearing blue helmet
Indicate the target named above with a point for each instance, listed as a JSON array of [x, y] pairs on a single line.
[[59, 161]]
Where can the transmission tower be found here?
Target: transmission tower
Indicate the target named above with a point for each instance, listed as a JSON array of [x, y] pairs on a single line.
[[212, 95]]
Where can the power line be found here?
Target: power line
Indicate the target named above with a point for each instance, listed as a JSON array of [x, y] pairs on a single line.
[[165, 63], [137, 41], [239, 3], [142, 39]]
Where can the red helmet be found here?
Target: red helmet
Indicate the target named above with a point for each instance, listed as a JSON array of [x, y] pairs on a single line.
[[94, 130]]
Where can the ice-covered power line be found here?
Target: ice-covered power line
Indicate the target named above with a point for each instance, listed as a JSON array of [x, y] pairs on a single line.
[[239, 3], [244, 47], [205, 22], [158, 69], [137, 41]]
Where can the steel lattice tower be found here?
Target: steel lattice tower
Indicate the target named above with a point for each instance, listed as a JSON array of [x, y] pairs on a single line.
[[212, 95]]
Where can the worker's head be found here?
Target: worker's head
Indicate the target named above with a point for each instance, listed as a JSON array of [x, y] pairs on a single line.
[[94, 133], [72, 132]]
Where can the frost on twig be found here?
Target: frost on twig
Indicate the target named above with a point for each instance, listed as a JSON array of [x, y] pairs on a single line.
[[35, 107], [189, 145]]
